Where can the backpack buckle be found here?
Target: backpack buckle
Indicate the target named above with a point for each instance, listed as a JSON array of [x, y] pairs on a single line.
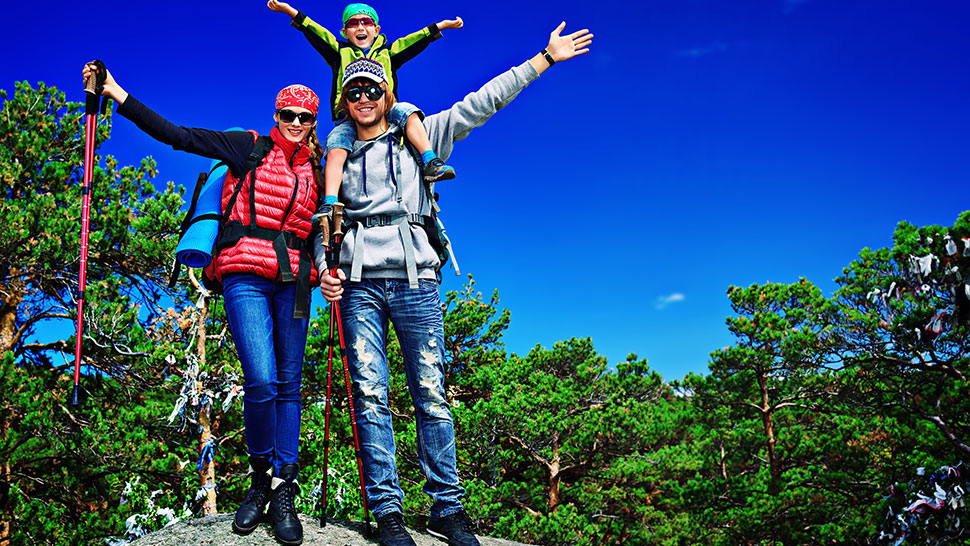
[[377, 220]]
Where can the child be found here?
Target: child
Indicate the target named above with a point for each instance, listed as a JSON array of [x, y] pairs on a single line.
[[361, 29]]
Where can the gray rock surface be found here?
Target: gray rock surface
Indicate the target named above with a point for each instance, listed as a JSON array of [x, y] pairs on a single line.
[[217, 531]]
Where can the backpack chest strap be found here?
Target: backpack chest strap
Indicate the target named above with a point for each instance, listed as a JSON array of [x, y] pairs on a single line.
[[391, 219], [403, 223]]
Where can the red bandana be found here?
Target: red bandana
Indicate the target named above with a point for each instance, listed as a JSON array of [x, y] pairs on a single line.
[[298, 95]]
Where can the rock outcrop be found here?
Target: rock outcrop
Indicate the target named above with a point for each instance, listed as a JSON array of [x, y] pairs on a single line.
[[217, 531]]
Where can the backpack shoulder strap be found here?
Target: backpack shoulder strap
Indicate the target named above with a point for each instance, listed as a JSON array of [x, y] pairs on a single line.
[[433, 226], [261, 149], [428, 186]]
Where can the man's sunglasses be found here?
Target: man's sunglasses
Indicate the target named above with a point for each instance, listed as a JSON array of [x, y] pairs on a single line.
[[356, 21], [287, 116], [372, 91]]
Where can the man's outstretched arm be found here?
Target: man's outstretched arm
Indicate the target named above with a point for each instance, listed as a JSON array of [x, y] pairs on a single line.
[[447, 127]]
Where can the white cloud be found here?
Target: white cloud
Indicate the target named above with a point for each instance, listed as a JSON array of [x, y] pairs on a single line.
[[695, 52], [664, 301]]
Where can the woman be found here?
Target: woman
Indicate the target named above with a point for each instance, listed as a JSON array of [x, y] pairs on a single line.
[[265, 269]]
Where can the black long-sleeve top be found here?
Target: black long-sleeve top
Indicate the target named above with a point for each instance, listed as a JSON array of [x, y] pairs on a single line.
[[233, 147]]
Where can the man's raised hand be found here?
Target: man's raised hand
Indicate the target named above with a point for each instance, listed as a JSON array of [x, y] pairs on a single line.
[[570, 45]]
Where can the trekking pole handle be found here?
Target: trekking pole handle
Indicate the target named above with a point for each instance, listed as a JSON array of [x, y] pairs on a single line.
[[94, 86], [338, 219]]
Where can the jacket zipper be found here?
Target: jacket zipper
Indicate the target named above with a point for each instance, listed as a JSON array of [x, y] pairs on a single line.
[[296, 189]]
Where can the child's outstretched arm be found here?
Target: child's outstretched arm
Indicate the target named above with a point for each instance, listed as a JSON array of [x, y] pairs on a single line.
[[281, 7], [320, 38], [451, 23]]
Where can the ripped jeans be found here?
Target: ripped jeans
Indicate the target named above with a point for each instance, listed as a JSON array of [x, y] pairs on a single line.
[[365, 309]]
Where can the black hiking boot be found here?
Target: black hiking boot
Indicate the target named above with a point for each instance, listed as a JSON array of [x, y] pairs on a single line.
[[456, 528], [282, 506], [392, 531], [251, 510], [436, 171]]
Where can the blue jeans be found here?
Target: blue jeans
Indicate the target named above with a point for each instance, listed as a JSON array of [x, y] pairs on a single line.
[[365, 309], [270, 344], [344, 132]]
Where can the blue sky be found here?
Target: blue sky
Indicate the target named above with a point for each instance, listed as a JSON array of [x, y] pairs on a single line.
[[700, 144]]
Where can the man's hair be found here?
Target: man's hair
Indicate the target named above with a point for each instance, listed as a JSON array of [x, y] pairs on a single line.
[[388, 98]]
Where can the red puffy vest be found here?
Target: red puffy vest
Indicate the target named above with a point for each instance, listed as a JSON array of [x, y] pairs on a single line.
[[285, 200]]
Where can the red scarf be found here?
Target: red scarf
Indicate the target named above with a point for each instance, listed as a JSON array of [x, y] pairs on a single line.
[[289, 148]]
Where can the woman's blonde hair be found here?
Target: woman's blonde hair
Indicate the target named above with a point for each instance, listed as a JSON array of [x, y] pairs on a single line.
[[316, 155]]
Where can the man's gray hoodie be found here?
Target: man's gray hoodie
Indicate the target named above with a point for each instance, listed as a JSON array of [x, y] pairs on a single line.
[[382, 185]]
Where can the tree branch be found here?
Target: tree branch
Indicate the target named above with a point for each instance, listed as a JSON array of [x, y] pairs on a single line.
[[532, 453]]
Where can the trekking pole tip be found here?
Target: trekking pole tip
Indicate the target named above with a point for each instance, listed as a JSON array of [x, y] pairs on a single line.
[[75, 396]]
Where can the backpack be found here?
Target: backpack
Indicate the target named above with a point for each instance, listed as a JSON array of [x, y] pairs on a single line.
[[437, 236], [260, 150], [433, 227], [431, 224]]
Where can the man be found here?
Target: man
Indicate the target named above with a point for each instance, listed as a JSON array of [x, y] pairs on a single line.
[[391, 266]]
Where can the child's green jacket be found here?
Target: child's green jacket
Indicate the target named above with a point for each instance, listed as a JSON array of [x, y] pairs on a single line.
[[339, 54]]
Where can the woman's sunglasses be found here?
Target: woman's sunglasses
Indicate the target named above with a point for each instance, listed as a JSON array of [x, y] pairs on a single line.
[[372, 91], [287, 116]]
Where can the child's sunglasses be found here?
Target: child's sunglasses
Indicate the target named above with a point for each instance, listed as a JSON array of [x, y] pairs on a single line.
[[372, 91], [356, 21], [287, 116]]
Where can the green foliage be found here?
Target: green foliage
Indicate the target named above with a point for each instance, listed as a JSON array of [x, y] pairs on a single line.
[[41, 149], [792, 437], [72, 462], [63, 468], [905, 318], [573, 440], [778, 446], [473, 336]]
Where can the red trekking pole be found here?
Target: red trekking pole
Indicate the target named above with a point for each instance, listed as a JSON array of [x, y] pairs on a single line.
[[332, 260], [326, 425], [93, 89]]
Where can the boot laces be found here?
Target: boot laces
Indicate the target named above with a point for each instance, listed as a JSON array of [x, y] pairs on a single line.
[[258, 490], [392, 523], [288, 497]]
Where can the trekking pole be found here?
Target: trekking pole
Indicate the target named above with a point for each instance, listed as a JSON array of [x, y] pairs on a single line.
[[326, 420], [335, 310], [353, 421], [325, 228], [93, 89]]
